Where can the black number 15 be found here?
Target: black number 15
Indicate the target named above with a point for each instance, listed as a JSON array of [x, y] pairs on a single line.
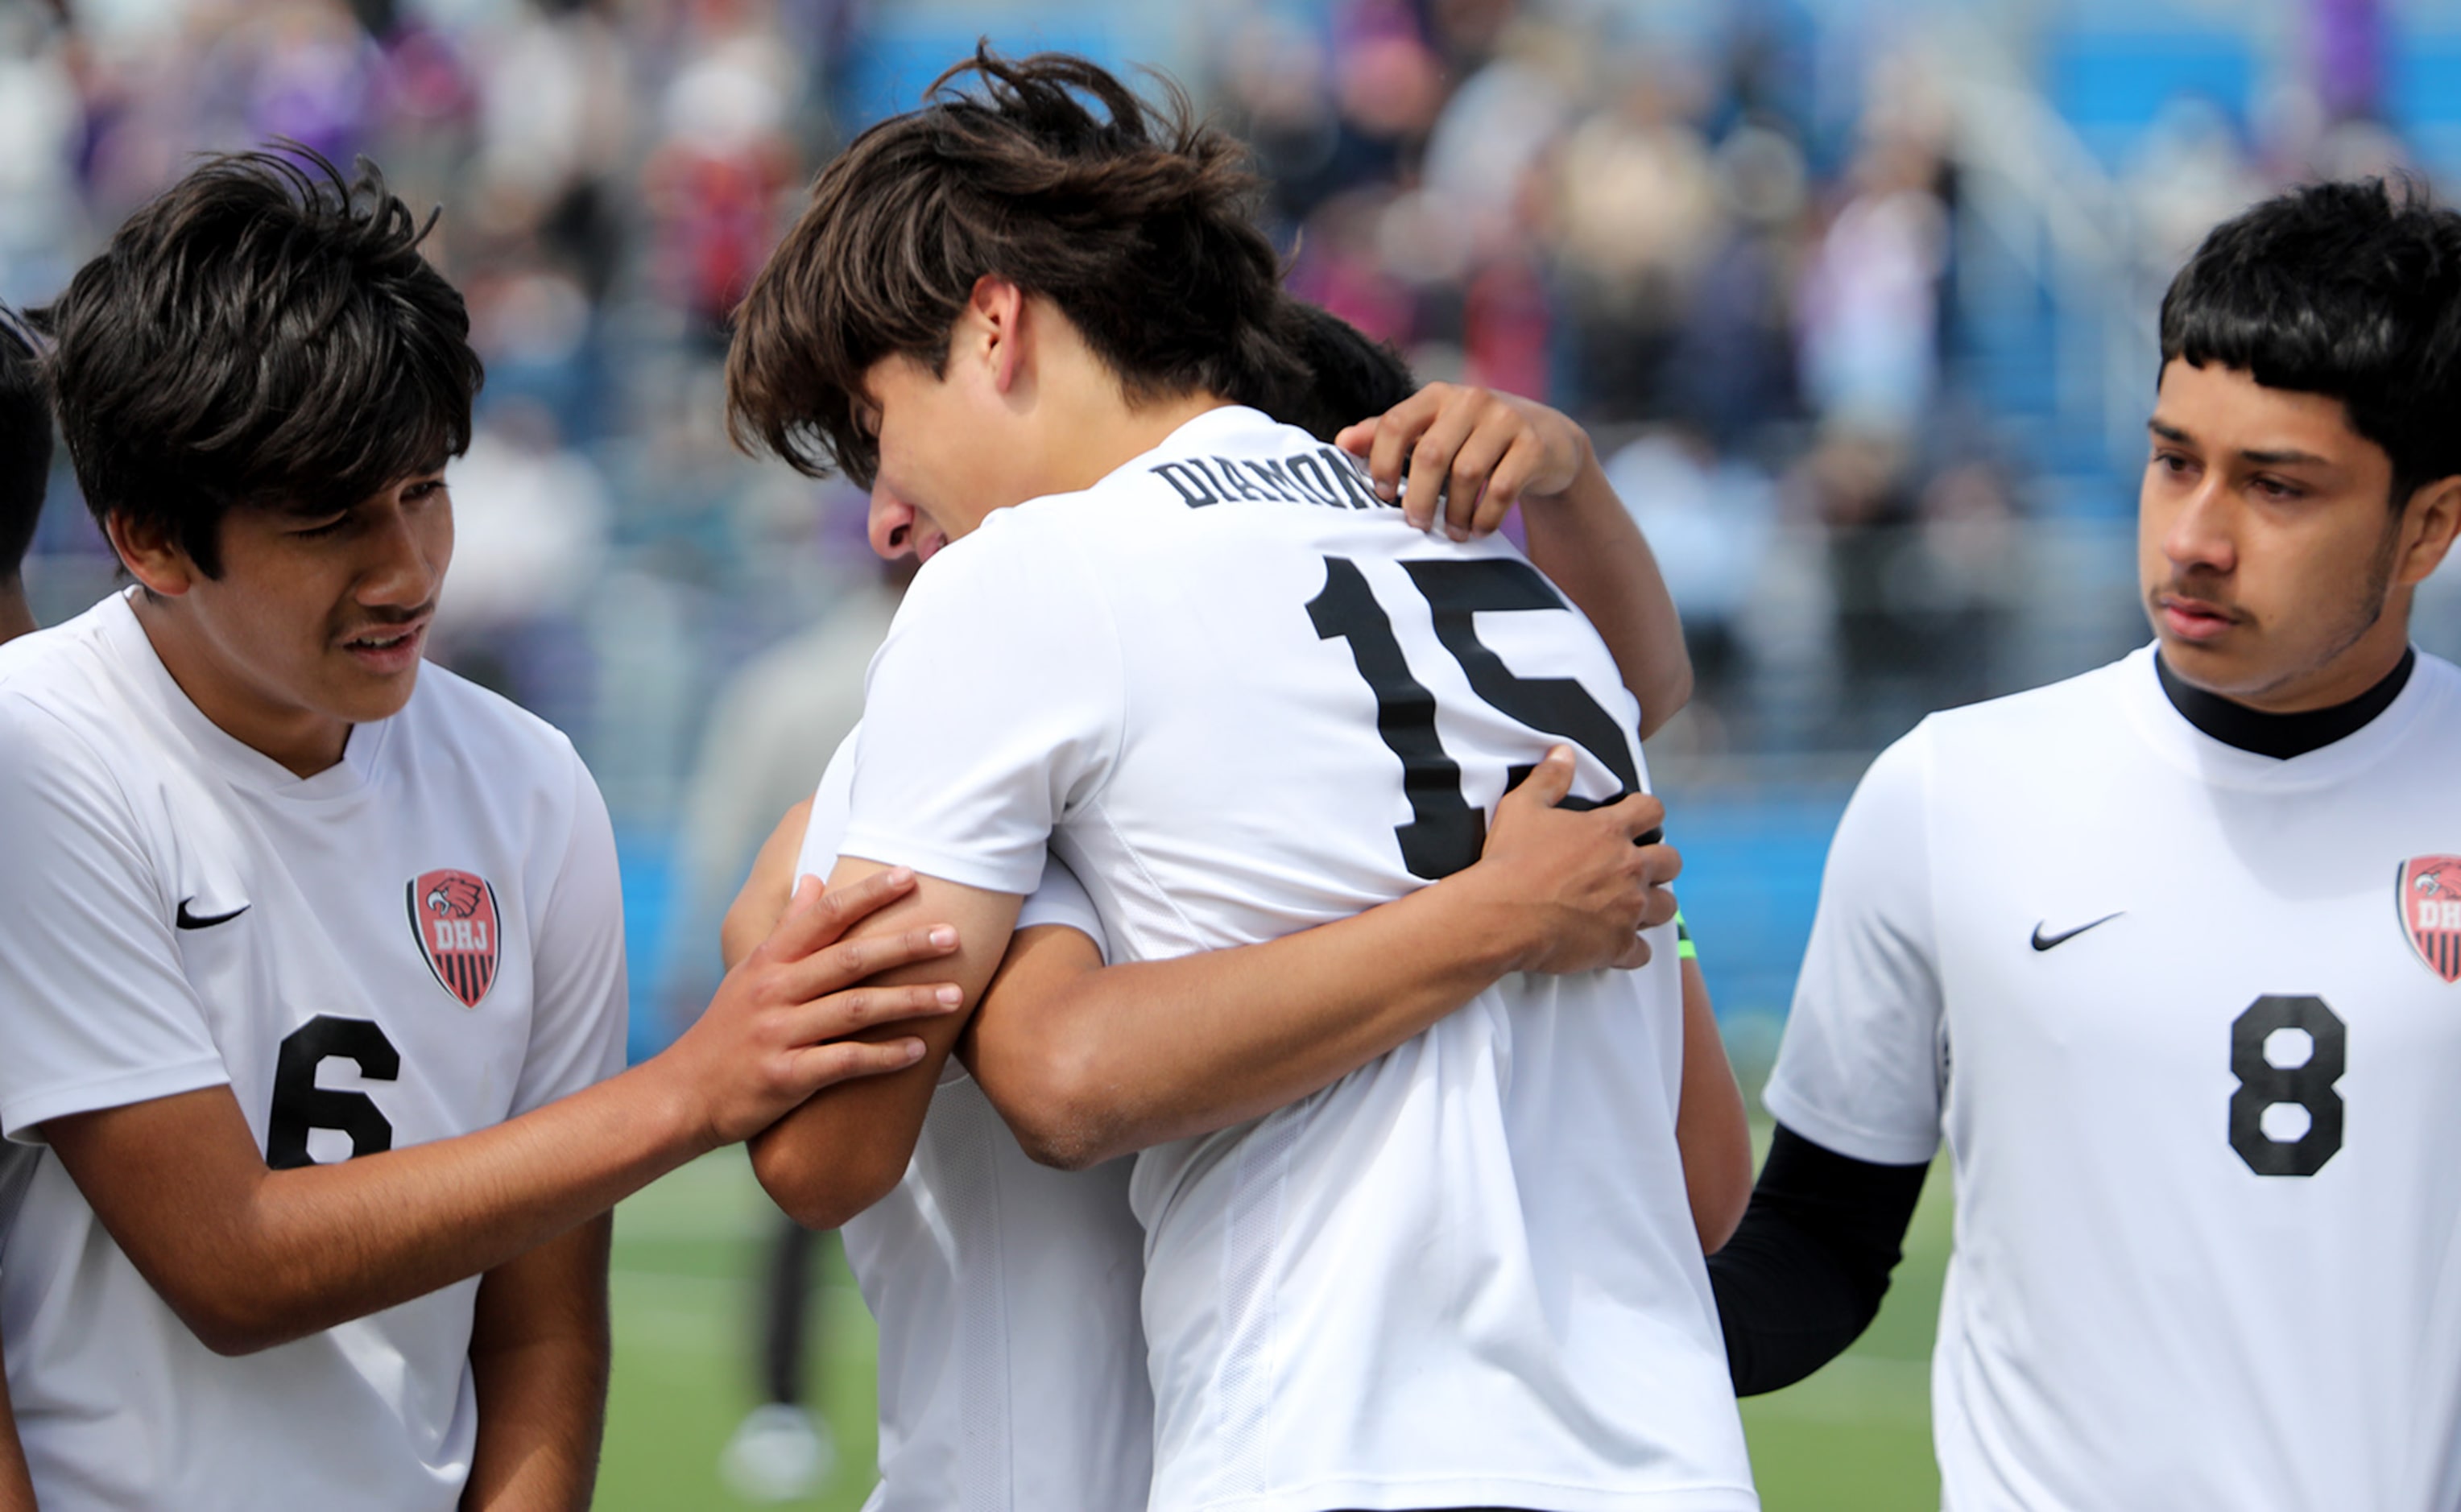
[[1445, 832]]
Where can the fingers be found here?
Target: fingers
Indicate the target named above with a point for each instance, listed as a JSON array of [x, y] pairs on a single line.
[[1358, 440], [1491, 438], [1397, 431], [1634, 956], [839, 1015], [849, 961], [1546, 783], [1505, 485], [827, 1065], [1431, 460], [1658, 907], [1636, 814], [806, 929]]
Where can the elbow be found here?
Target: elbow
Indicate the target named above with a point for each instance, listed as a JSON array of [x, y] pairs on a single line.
[[234, 1320], [822, 1189], [1672, 693], [1059, 1107], [1717, 1214]]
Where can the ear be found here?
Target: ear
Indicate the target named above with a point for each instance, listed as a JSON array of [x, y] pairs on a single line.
[[151, 555], [996, 312], [2430, 522]]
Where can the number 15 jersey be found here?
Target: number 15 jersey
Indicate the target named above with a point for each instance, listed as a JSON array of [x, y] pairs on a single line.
[[1239, 698], [418, 942], [2189, 1018]]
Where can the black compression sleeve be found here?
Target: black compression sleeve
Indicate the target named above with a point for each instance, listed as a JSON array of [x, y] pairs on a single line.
[[1807, 1269]]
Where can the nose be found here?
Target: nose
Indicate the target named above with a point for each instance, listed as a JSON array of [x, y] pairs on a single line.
[[890, 524], [2200, 536], [407, 556]]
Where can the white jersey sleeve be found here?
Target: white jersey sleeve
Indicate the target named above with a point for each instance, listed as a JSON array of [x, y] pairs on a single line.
[[1862, 1067], [99, 1010], [577, 1025], [1062, 900], [992, 712]]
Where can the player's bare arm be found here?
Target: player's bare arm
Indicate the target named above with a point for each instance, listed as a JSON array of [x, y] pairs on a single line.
[[539, 1358], [250, 1257], [1474, 453], [1088, 1061], [1087, 1064], [842, 1150], [1711, 1128]]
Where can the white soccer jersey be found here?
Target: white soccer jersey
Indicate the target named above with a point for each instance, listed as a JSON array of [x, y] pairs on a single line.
[[1239, 698], [1011, 1364], [420, 942], [2189, 1018]]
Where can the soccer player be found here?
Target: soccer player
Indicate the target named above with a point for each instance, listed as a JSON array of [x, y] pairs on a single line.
[[1039, 1268], [312, 961], [2172, 952], [1189, 650], [25, 468]]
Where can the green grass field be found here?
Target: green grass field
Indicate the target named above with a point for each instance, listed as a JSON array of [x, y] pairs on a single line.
[[1855, 1437]]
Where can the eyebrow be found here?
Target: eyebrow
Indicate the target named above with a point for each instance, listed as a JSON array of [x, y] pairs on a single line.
[[2285, 457]]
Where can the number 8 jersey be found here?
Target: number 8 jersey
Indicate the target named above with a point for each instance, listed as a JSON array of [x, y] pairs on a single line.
[[2189, 1018], [417, 943], [1239, 697]]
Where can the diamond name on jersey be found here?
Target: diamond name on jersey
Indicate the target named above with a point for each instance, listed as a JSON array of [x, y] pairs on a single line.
[[1327, 476]]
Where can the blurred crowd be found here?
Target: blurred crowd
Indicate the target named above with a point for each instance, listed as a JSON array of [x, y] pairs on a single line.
[[1760, 248]]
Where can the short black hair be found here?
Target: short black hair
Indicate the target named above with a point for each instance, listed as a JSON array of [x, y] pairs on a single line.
[[1347, 375], [264, 333], [2351, 291], [24, 445]]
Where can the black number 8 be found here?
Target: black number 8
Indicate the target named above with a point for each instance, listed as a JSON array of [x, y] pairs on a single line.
[[2262, 1084], [300, 1105]]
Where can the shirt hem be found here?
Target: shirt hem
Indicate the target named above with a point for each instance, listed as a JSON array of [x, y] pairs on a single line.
[[1845, 1138], [23, 1116], [966, 872]]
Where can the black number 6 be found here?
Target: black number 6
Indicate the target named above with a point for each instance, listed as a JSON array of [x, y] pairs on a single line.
[[300, 1105]]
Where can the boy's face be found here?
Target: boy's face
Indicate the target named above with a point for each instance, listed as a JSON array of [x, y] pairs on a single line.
[[2274, 568], [947, 455], [317, 622]]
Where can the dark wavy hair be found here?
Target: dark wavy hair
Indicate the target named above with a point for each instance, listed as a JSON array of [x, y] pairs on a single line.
[[1345, 375], [1134, 220], [24, 445], [2350, 290], [264, 333]]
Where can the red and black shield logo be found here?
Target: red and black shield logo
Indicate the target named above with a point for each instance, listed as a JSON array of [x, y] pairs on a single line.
[[2429, 899], [454, 915]]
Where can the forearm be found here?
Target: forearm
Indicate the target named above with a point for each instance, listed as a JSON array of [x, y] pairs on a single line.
[[271, 1256], [1804, 1274], [1710, 1126], [539, 1356], [1130, 1056], [1586, 542], [848, 1146]]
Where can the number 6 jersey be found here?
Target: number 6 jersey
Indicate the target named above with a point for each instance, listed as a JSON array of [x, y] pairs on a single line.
[[2189, 1018], [1239, 697], [420, 942]]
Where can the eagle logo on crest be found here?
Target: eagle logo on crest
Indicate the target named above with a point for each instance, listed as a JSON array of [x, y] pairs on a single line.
[[2427, 891], [453, 914]]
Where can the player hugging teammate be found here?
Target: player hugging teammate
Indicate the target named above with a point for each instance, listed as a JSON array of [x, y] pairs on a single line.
[[1246, 1078]]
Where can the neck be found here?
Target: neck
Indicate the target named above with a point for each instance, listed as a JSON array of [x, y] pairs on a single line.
[[1111, 432], [2277, 734], [16, 617]]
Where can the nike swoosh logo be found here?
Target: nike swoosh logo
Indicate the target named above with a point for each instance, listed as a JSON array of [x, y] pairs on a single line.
[[2044, 942], [189, 921]]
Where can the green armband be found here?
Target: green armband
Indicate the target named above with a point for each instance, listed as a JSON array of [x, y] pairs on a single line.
[[1684, 951]]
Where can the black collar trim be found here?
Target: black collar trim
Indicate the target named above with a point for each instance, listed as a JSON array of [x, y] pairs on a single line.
[[2281, 736]]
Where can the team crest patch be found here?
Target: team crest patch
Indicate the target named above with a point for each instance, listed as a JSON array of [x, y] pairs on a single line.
[[2430, 912], [454, 915]]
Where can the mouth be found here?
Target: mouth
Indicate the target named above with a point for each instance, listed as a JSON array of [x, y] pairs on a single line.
[[386, 649], [2195, 621]]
